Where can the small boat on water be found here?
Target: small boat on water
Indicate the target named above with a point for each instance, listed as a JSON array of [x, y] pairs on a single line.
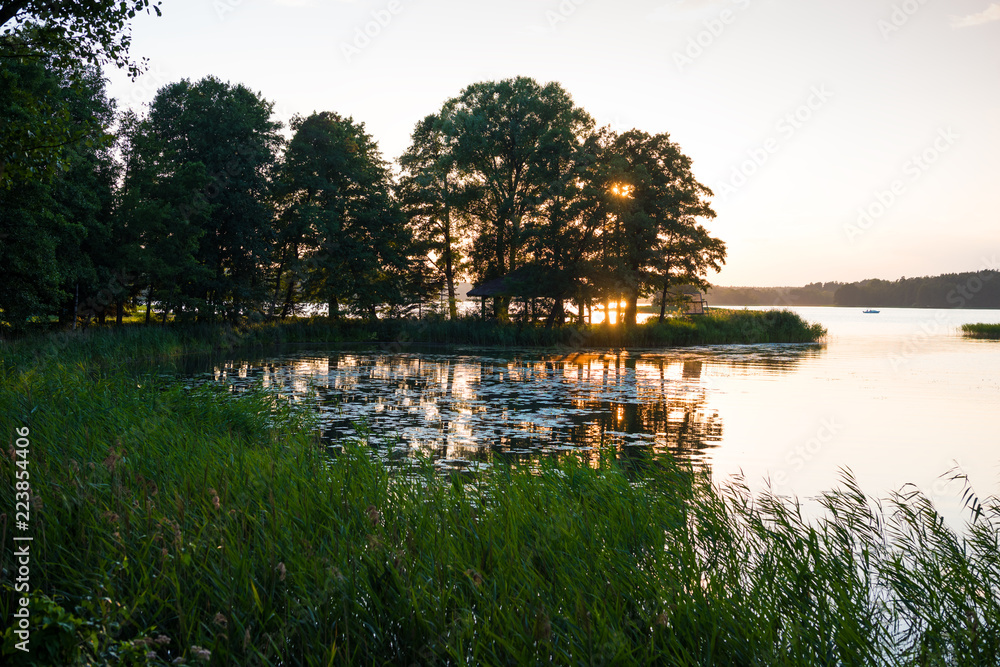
[[870, 311]]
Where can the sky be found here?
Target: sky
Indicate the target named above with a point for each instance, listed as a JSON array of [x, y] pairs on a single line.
[[843, 139]]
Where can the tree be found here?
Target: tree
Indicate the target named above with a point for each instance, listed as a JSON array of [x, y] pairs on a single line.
[[652, 240], [94, 32], [83, 193], [508, 136], [52, 224], [66, 40], [429, 192], [342, 239], [565, 233], [156, 229], [228, 130]]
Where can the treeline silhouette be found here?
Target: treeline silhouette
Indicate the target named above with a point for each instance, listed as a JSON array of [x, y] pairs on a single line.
[[201, 210], [978, 289]]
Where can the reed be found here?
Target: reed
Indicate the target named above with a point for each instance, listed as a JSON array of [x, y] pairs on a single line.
[[990, 331], [130, 343], [196, 523]]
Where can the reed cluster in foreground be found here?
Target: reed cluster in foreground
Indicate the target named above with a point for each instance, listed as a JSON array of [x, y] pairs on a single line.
[[212, 527], [991, 331]]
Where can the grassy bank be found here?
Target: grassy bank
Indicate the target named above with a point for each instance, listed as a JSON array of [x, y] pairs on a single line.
[[172, 523], [135, 341], [991, 331]]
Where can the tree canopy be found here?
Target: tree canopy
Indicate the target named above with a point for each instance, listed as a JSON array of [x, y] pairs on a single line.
[[95, 32]]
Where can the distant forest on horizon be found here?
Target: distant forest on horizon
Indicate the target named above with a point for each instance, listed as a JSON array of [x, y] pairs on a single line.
[[976, 289]]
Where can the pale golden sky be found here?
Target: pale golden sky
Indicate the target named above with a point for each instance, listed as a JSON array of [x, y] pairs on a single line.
[[844, 139]]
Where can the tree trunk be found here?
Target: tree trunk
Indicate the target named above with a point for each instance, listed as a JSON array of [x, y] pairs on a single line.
[[149, 303], [277, 280], [334, 309], [119, 311], [452, 301], [449, 267], [631, 308], [663, 302], [557, 312], [287, 306]]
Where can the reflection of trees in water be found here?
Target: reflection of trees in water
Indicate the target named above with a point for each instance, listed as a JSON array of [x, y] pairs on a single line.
[[528, 405], [669, 403]]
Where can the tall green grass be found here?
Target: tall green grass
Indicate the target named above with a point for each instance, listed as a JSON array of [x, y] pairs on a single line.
[[177, 523], [991, 331]]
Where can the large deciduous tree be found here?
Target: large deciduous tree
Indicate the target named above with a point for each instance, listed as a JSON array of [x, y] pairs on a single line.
[[652, 239], [342, 238], [227, 129], [430, 193], [511, 140], [53, 224]]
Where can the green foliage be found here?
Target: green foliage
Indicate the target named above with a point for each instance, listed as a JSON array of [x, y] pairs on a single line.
[[981, 331], [48, 49], [509, 140], [209, 153], [203, 217], [94, 32], [431, 198], [342, 239], [53, 224], [651, 239]]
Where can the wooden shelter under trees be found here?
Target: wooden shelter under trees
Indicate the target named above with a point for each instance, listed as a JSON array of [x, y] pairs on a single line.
[[528, 283]]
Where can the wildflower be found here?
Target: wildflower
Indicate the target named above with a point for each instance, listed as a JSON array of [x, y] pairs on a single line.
[[74, 465], [373, 515], [246, 638], [162, 640], [200, 653], [336, 573], [281, 571], [150, 655], [220, 620], [179, 661], [477, 578], [215, 498], [662, 620]]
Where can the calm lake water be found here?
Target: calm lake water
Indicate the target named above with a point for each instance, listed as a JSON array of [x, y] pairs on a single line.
[[898, 397]]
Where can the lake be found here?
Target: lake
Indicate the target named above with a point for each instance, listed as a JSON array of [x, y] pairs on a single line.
[[897, 397]]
